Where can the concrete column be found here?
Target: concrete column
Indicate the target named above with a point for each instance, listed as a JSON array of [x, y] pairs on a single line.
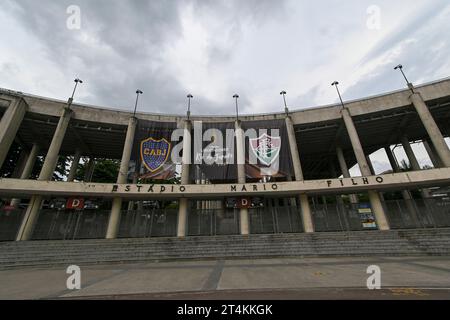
[[114, 218], [89, 169], [46, 174], [413, 161], [9, 125], [369, 162], [74, 166], [345, 172], [410, 154], [20, 164], [375, 201], [437, 163], [31, 160], [28, 168], [240, 155], [185, 168], [298, 172], [131, 202], [356, 143], [372, 170], [432, 129], [405, 193]]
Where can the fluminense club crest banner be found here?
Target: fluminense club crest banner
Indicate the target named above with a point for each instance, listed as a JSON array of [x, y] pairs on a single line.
[[266, 148]]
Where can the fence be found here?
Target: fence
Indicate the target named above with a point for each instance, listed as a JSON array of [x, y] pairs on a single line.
[[210, 222], [284, 219], [69, 224], [148, 223], [401, 214]]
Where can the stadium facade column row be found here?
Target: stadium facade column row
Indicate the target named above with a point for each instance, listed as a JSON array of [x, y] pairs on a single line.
[[14, 115]]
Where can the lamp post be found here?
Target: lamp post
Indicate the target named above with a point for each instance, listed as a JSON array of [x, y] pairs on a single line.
[[189, 96], [77, 81], [138, 92], [409, 84], [283, 93], [335, 83], [236, 97]]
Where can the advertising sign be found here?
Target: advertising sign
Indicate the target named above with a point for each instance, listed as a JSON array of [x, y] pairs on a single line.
[[366, 216]]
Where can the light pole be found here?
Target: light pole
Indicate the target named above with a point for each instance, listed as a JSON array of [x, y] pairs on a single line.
[[409, 84], [335, 83], [189, 96], [236, 97], [74, 89], [283, 93], [138, 92]]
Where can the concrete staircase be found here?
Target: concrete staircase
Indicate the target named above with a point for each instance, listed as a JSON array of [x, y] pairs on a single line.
[[356, 243]]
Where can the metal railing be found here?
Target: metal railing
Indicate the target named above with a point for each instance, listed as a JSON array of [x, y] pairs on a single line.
[[284, 219], [71, 224], [148, 223], [92, 224], [211, 222]]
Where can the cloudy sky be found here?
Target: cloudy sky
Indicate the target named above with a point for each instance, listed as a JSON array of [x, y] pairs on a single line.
[[213, 49]]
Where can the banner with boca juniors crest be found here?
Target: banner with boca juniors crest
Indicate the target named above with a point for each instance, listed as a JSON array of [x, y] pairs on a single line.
[[152, 150]]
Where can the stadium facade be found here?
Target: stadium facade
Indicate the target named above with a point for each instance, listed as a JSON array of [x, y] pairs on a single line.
[[231, 187]]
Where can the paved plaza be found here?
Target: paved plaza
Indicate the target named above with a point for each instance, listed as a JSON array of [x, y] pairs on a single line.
[[290, 278]]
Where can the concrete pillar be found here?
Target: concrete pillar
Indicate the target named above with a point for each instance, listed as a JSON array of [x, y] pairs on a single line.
[[375, 201], [405, 193], [9, 125], [345, 172], [46, 174], [74, 166], [369, 162], [413, 161], [240, 155], [410, 154], [431, 127], [298, 172], [20, 164], [31, 160], [114, 218], [437, 163], [372, 170], [131, 202], [185, 168], [27, 169], [89, 171]]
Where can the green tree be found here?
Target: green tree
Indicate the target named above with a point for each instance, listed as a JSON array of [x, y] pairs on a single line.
[[105, 170]]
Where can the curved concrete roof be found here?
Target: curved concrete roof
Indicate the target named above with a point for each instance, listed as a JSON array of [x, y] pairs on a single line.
[[380, 121]]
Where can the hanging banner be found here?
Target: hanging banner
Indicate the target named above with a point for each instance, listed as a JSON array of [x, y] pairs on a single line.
[[152, 150], [213, 152], [267, 152], [266, 156]]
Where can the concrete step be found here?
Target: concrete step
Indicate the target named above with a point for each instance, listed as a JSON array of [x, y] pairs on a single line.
[[93, 251]]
